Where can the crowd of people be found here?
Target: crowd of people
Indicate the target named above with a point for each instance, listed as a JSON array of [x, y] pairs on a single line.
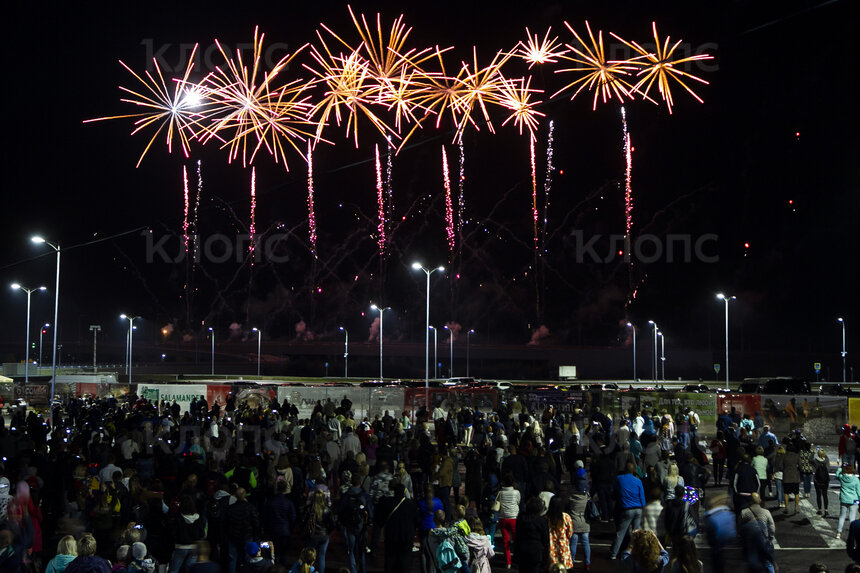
[[126, 485]]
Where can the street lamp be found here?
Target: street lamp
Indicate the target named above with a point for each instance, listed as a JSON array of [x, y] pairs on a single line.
[[42, 331], [451, 360], [467, 351], [633, 328], [435, 352], [56, 246], [29, 291], [131, 328], [654, 324], [212, 338], [95, 329], [259, 340], [381, 312], [345, 351], [663, 354], [726, 300], [415, 266], [844, 378]]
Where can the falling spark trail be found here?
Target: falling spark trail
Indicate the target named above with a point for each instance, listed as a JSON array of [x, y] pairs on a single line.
[[196, 233], [185, 216], [547, 184], [380, 201], [389, 169], [628, 191], [534, 190], [449, 208], [461, 200], [312, 219], [252, 229]]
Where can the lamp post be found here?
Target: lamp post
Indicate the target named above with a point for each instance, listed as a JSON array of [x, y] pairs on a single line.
[[346, 351], [726, 300], [415, 266], [259, 340], [663, 354], [29, 291], [654, 324], [435, 352], [467, 351], [42, 331], [131, 328], [451, 359], [95, 329], [844, 377], [381, 312], [56, 247], [633, 328], [212, 338]]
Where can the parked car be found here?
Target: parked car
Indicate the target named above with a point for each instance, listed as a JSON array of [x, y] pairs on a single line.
[[779, 385], [700, 388]]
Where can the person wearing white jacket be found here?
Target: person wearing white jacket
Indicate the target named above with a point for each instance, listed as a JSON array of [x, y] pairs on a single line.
[[509, 508]]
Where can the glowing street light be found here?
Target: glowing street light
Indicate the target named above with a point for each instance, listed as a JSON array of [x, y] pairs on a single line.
[[130, 345], [633, 328], [381, 312], [56, 246], [29, 291], [212, 338], [654, 324], [451, 359], [259, 340], [844, 378], [726, 300], [345, 351], [415, 266]]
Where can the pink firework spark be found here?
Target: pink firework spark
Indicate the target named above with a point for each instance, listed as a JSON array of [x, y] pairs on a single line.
[[534, 190], [380, 200], [185, 217], [547, 184], [312, 218], [449, 208], [628, 173], [252, 229]]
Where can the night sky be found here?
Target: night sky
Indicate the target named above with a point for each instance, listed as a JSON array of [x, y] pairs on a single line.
[[769, 160]]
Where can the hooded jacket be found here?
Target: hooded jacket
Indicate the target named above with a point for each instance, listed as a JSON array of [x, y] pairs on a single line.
[[188, 530], [481, 551], [849, 492], [59, 563]]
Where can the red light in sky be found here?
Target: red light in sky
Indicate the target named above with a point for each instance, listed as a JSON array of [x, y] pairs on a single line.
[[561, 171], [746, 245]]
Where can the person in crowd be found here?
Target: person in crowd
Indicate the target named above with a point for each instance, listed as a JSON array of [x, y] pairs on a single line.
[[531, 544], [821, 480], [646, 553], [305, 564], [319, 522], [631, 501], [87, 560], [685, 557], [719, 525], [849, 495], [789, 465], [67, 550], [480, 547], [428, 506], [577, 506], [560, 532], [508, 500]]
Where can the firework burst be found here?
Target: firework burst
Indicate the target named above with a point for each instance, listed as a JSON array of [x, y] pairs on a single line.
[[536, 51], [659, 67], [515, 95], [177, 112], [605, 77]]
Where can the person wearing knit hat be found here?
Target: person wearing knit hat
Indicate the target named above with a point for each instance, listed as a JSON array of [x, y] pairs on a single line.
[[254, 561], [140, 563]]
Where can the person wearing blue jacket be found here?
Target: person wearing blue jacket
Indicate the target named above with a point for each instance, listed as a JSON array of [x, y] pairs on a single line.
[[849, 496], [630, 497]]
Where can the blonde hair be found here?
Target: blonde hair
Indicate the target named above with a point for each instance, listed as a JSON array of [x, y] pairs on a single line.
[[645, 549], [67, 546]]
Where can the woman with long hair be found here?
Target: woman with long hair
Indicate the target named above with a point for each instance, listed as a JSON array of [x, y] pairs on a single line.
[[718, 455], [319, 523], [509, 508], [671, 480], [646, 554], [685, 559], [560, 531]]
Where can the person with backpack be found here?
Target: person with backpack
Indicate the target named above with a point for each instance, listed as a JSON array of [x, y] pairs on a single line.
[[399, 523], [531, 545], [279, 518], [821, 480], [318, 524], [354, 514]]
